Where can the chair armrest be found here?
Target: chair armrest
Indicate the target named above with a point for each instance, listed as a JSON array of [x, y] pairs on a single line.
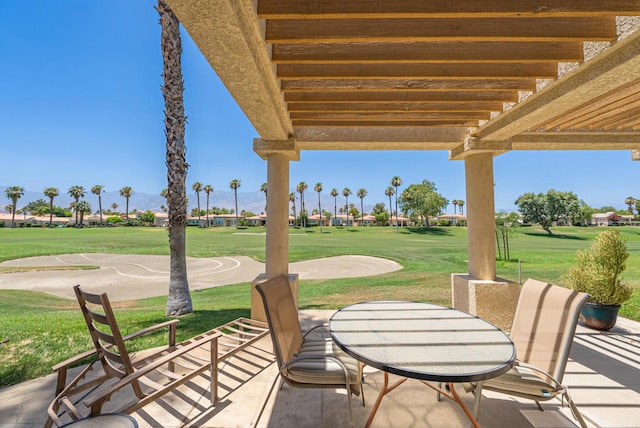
[[323, 326], [172, 331], [100, 396], [537, 370]]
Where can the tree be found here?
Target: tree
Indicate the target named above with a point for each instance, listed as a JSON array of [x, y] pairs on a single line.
[[76, 192], [346, 192], [318, 188], [97, 190], [52, 193], [461, 204], [631, 202], [208, 189], [334, 193], [14, 193], [506, 227], [545, 209], [422, 201], [362, 193], [234, 185], [390, 191], [114, 207], [301, 188], [126, 193], [396, 182], [83, 208], [197, 187], [264, 187], [455, 205], [292, 199], [179, 299]]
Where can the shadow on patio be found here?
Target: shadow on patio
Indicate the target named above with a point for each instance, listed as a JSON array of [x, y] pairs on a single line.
[[602, 375]]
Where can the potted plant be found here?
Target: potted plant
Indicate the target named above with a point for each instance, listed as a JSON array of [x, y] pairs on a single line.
[[598, 273]]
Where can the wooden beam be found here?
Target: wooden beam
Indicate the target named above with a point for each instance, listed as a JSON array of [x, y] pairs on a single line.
[[576, 141], [613, 69], [522, 84], [411, 71], [389, 96], [425, 52], [397, 106], [348, 9], [390, 124], [601, 28], [383, 138], [389, 116]]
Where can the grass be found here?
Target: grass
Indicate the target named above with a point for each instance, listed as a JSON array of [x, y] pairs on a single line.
[[39, 330]]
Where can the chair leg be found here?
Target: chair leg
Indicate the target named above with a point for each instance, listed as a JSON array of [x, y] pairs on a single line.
[[574, 409], [353, 422]]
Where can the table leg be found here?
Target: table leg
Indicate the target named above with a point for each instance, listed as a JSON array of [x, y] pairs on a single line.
[[383, 391], [458, 400]]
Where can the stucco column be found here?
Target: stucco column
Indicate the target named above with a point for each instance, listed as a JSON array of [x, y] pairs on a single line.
[[278, 154], [277, 246], [480, 216]]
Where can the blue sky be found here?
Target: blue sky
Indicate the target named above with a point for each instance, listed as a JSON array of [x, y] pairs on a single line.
[[80, 104]]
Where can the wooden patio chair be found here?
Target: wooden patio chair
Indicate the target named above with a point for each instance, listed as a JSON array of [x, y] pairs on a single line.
[[543, 329], [150, 373], [305, 361]]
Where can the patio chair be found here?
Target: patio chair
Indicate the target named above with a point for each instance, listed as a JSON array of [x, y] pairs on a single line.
[[310, 360], [543, 328], [150, 373]]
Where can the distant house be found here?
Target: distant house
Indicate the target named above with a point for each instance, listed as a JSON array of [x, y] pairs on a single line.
[[453, 219], [257, 220], [610, 219]]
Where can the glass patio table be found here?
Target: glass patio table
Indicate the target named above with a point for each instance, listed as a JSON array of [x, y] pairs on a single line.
[[423, 341]]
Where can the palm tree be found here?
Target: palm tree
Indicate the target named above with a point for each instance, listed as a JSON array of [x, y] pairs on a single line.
[[292, 199], [455, 205], [14, 193], [396, 182], [334, 193], [461, 204], [390, 191], [362, 193], [51, 193], [346, 192], [197, 187], [301, 187], [235, 183], [630, 201], [114, 207], [208, 189], [76, 192], [263, 188], [318, 188], [179, 299], [97, 190], [126, 193], [83, 207]]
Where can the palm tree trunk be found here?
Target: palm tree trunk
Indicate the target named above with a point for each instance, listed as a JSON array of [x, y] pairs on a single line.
[[179, 299]]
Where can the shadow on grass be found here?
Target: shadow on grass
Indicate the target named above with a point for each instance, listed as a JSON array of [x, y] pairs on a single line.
[[554, 236], [434, 231]]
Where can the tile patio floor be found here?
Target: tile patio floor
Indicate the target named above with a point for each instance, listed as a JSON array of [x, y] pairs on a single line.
[[603, 376]]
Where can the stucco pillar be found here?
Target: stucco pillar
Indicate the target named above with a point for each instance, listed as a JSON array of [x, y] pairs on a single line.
[[278, 154], [480, 216], [277, 245], [479, 291]]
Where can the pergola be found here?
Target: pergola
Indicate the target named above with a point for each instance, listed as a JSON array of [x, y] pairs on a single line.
[[475, 78]]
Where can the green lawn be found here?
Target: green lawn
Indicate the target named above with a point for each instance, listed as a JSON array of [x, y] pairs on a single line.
[[41, 330]]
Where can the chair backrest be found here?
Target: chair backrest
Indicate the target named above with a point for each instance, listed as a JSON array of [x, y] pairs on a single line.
[[282, 317], [104, 332], [544, 325]]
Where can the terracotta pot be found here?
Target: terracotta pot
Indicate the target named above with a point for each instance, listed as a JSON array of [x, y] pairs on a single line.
[[599, 317]]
